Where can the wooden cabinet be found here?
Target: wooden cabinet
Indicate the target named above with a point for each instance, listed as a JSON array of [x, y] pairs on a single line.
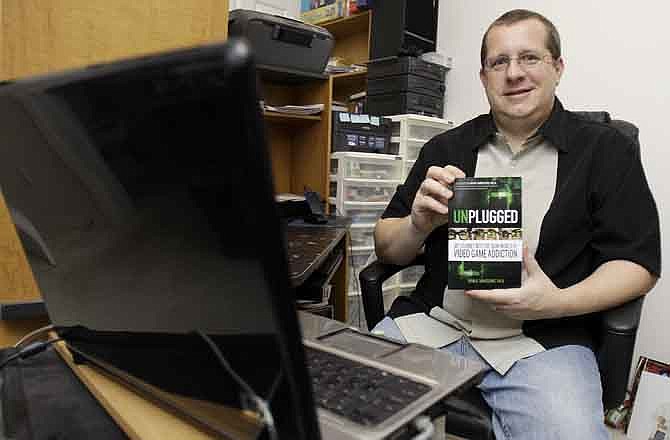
[[38, 36]]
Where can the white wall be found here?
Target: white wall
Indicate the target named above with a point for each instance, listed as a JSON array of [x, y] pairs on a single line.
[[617, 60]]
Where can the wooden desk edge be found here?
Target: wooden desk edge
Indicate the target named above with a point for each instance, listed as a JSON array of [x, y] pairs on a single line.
[[138, 416]]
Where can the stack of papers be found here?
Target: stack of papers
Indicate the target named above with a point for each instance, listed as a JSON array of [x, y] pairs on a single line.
[[312, 109], [333, 69]]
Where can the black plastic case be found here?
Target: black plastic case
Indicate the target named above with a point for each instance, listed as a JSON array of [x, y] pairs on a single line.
[[282, 42], [406, 65], [402, 103], [360, 137], [406, 83]]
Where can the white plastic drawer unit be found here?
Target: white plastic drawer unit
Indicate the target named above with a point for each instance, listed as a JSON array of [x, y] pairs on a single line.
[[407, 168], [413, 148], [408, 149], [424, 132], [362, 235], [361, 213], [366, 166], [366, 190], [418, 127]]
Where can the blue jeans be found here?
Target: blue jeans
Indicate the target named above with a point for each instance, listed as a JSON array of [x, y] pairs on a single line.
[[555, 394]]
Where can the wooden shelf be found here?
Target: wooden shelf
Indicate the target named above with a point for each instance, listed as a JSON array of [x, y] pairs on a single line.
[[349, 75], [352, 37], [286, 118], [346, 84], [343, 27]]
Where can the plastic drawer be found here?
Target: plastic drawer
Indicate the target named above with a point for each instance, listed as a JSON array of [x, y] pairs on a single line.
[[368, 166], [424, 132], [408, 149], [407, 168], [362, 236], [418, 126], [412, 148], [360, 190], [362, 213]]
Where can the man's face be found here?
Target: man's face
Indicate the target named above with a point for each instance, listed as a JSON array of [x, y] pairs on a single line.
[[520, 91]]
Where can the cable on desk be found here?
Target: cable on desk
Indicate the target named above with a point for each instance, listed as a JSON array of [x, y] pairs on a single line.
[[33, 334], [261, 404], [28, 351]]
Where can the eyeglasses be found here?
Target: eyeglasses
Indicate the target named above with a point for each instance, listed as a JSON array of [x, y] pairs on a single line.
[[526, 60]]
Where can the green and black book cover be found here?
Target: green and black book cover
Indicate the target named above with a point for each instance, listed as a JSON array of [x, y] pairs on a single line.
[[485, 233]]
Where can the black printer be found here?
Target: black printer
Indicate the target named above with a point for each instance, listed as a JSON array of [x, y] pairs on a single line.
[[283, 43]]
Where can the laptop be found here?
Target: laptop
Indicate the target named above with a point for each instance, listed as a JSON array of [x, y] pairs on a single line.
[[145, 187]]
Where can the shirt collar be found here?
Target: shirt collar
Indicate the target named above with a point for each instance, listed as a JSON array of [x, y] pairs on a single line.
[[553, 129]]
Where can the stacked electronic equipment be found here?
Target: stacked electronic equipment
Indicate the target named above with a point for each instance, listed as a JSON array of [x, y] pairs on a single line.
[[363, 183], [400, 82]]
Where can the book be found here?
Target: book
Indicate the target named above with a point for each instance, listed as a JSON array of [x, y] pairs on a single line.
[[485, 233]]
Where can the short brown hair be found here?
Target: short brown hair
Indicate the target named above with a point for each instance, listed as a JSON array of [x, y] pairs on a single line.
[[516, 15]]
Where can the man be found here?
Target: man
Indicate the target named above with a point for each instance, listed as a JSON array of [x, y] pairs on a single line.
[[591, 238]]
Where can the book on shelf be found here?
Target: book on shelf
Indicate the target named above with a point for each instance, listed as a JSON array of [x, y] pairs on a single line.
[[485, 233]]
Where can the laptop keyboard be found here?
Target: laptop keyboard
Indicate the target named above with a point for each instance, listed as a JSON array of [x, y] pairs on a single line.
[[360, 393]]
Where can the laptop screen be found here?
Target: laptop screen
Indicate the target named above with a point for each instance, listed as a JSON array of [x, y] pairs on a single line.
[[145, 191]]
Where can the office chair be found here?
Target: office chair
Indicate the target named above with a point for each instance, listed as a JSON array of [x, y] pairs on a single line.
[[468, 415]]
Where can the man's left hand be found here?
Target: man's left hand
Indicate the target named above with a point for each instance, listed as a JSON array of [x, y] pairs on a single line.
[[537, 298]]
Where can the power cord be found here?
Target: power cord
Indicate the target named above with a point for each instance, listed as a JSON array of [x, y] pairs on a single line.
[[28, 351], [33, 334], [262, 405]]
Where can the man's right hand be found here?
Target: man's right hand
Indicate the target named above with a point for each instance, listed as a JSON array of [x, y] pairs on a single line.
[[430, 208]]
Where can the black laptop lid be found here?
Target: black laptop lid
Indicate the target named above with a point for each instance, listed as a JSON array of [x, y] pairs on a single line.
[[148, 183]]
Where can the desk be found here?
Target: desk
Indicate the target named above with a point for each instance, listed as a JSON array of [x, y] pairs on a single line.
[[56, 392], [309, 248]]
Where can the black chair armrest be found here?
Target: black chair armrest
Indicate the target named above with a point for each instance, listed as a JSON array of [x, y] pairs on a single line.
[[371, 279], [618, 330]]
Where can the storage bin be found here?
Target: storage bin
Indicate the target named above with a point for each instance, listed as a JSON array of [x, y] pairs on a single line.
[[407, 168], [408, 149], [363, 190], [362, 213], [424, 132], [366, 166], [418, 126], [362, 236]]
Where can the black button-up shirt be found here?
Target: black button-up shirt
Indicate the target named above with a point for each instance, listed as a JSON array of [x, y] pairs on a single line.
[[602, 210]]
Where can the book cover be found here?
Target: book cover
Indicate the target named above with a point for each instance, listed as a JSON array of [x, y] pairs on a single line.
[[485, 233]]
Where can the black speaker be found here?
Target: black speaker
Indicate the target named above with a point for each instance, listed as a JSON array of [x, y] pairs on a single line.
[[403, 27]]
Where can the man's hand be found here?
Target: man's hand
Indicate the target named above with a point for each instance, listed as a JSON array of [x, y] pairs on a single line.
[[430, 209], [537, 298]]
